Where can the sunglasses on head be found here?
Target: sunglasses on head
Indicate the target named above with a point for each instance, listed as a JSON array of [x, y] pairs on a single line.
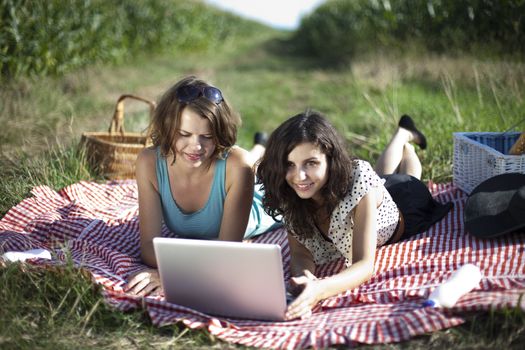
[[188, 93]]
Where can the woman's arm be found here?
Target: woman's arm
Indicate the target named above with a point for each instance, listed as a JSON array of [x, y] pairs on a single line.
[[150, 210], [362, 268], [239, 196], [301, 258], [301, 264], [147, 281]]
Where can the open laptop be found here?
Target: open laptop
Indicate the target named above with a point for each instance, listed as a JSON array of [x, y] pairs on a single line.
[[233, 279]]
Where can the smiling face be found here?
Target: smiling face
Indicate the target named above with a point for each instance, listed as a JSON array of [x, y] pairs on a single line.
[[307, 171], [194, 144]]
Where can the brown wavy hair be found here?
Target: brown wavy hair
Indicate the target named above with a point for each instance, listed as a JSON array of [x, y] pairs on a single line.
[[279, 198], [164, 127]]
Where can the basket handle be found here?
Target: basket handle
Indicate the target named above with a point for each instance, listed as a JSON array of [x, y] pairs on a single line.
[[117, 122]]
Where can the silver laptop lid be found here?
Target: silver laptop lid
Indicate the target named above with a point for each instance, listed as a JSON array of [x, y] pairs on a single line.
[[235, 279]]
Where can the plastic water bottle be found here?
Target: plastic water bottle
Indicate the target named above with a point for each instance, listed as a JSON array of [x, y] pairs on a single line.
[[466, 278]]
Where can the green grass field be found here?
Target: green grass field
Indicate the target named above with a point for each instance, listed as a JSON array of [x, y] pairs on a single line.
[[42, 120]]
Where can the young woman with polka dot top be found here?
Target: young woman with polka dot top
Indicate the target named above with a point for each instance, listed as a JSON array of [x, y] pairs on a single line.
[[335, 206]]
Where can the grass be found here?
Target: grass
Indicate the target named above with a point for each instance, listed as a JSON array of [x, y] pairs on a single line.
[[61, 308], [43, 118]]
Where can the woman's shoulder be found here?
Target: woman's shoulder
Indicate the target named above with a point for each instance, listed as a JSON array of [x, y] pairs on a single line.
[[362, 169], [238, 158], [361, 165], [146, 162], [364, 178], [238, 168], [147, 156]]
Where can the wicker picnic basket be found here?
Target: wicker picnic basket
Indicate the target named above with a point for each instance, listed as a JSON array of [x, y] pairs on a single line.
[[113, 153], [479, 156]]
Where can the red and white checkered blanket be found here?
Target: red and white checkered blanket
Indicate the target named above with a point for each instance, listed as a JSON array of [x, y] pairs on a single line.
[[97, 225]]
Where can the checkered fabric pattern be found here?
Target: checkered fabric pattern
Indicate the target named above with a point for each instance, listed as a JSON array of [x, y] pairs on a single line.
[[97, 225]]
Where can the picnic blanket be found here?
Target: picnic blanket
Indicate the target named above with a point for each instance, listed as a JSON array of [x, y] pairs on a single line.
[[96, 225]]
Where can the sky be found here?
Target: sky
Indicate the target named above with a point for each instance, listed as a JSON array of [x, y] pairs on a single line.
[[282, 14]]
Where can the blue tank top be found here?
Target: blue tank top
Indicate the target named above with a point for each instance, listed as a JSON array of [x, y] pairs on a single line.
[[205, 223]]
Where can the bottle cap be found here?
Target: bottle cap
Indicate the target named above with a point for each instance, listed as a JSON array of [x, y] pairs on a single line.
[[429, 303]]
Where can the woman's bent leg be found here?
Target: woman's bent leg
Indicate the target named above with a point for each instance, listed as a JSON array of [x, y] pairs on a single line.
[[410, 164], [392, 156]]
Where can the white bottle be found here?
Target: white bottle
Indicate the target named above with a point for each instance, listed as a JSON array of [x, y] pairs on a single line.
[[466, 278]]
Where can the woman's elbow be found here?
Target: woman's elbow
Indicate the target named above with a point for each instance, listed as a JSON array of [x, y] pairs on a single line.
[[147, 254], [148, 259], [368, 269]]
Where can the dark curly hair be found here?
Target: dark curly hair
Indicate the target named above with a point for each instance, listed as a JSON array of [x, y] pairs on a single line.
[[224, 121], [279, 198]]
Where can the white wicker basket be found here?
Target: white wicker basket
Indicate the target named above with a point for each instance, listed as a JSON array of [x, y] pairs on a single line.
[[482, 155]]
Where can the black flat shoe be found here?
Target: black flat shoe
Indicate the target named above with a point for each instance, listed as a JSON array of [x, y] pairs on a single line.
[[407, 123], [260, 138]]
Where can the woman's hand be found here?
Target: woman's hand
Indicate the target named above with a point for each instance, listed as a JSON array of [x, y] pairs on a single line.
[[312, 293], [144, 282]]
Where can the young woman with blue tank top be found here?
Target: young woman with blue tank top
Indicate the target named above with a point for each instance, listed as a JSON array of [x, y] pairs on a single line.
[[194, 179]]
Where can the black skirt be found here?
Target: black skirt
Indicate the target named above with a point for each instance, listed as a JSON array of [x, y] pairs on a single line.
[[415, 202]]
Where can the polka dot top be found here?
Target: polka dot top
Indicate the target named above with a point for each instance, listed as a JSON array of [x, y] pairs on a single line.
[[339, 242]]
